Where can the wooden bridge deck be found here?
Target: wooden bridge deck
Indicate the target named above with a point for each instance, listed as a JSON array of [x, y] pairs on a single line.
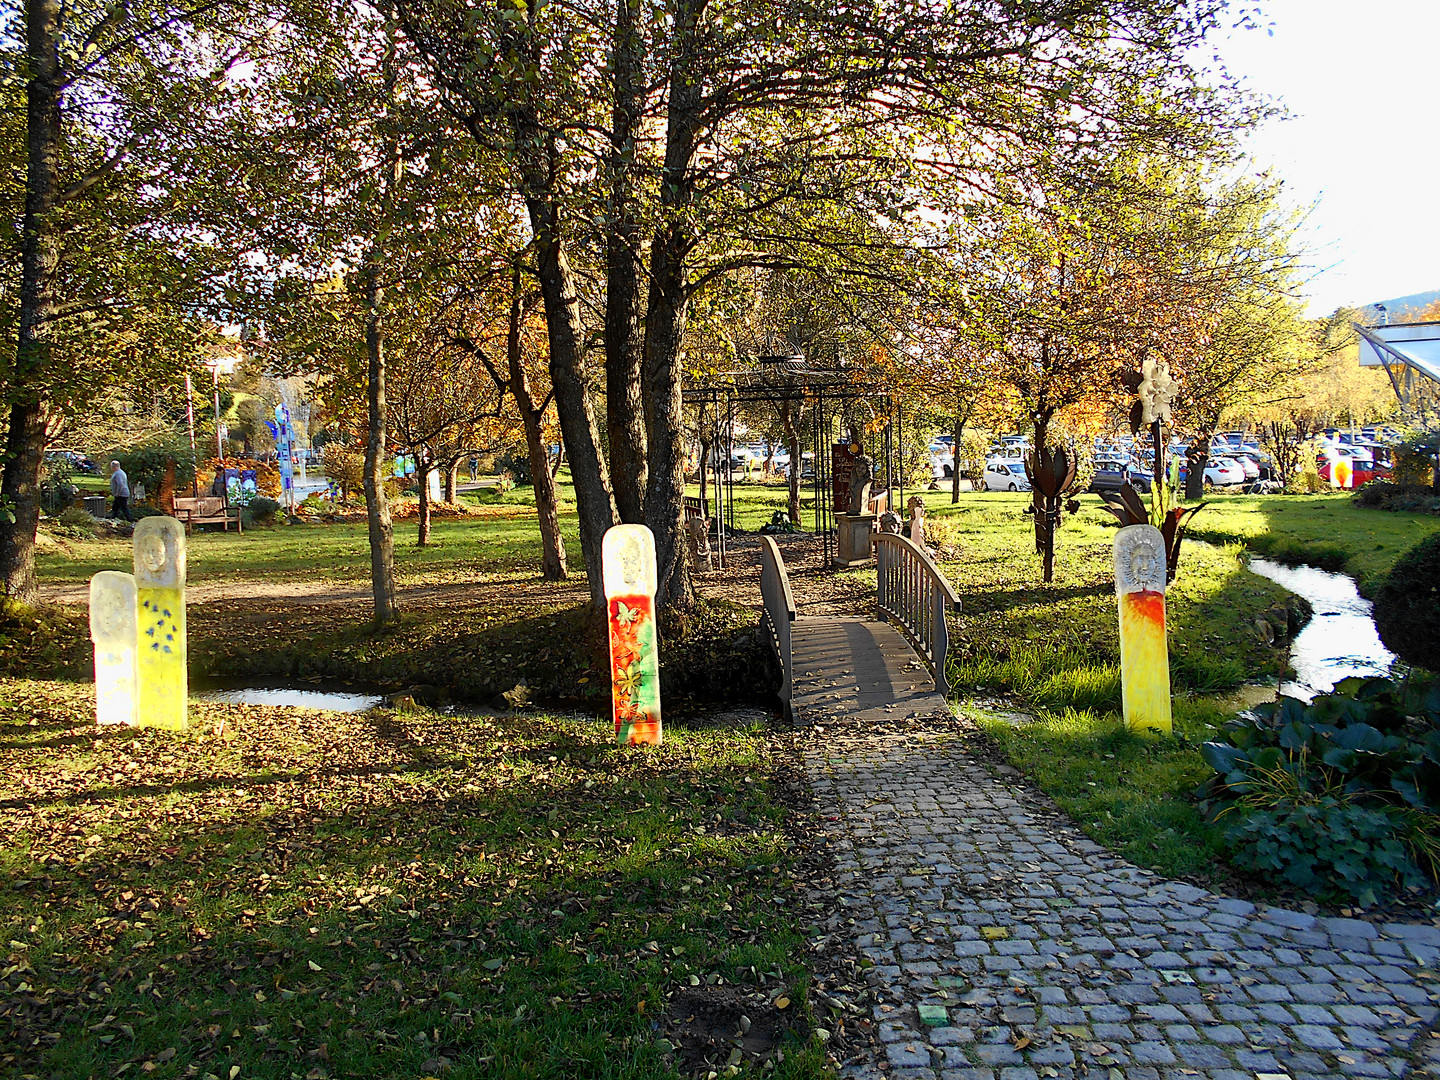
[[857, 668]]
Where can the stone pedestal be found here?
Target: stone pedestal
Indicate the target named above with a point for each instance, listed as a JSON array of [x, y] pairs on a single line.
[[852, 534]]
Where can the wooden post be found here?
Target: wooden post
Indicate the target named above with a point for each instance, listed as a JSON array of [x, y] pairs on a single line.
[[160, 596], [1144, 656], [630, 575]]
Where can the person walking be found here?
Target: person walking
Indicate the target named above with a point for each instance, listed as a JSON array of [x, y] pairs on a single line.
[[474, 468], [120, 491]]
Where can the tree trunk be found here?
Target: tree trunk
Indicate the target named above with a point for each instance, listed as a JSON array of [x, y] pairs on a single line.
[[39, 264], [788, 419], [624, 345], [961, 415], [567, 377], [665, 321], [1037, 501], [664, 500], [450, 479], [423, 468], [377, 505], [1196, 458], [553, 563]]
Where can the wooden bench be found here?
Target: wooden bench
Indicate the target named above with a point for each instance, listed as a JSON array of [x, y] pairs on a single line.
[[205, 510], [695, 510]]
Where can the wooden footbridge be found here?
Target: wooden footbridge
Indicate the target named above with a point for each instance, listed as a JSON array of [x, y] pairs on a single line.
[[888, 668]]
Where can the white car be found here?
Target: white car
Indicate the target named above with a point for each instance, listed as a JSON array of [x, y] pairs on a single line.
[[1223, 472], [1004, 475], [942, 460]]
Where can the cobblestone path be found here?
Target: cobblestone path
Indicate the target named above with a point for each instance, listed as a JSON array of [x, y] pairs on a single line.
[[1007, 946]]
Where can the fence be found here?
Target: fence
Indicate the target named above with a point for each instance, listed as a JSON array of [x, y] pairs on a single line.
[[915, 596]]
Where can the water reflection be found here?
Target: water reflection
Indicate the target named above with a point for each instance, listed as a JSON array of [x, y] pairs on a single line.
[[1340, 641], [292, 698]]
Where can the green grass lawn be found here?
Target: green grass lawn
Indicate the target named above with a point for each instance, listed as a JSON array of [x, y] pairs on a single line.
[[503, 542], [281, 893], [1327, 531], [1052, 648]]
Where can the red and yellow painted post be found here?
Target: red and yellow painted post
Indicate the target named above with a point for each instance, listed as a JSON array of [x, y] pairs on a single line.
[[1144, 655], [627, 556]]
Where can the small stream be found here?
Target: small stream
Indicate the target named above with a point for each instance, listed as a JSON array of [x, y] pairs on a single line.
[[1340, 641], [291, 697]]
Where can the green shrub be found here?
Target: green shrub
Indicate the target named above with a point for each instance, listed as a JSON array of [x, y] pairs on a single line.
[[1338, 796], [517, 464], [261, 511], [1326, 846], [145, 464], [1407, 607], [1400, 498]]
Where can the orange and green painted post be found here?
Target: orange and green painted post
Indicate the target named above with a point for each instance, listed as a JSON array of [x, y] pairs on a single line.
[[627, 556], [1144, 654]]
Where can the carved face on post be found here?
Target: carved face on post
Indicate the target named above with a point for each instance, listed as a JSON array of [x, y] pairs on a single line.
[[1140, 563], [160, 552]]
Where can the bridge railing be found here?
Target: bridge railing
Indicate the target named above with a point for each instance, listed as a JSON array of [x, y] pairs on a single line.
[[915, 596], [779, 611]]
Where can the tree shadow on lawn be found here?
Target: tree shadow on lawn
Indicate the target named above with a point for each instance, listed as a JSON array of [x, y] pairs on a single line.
[[510, 914]]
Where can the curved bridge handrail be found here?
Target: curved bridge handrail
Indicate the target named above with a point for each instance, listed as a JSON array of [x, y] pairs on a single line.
[[779, 611], [915, 595]]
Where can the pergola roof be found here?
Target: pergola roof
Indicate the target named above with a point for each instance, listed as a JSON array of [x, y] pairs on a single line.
[[1404, 350]]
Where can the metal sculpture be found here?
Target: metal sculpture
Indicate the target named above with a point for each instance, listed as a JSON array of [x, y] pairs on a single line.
[[1144, 655], [163, 689], [1052, 481], [1126, 505], [1156, 389], [112, 629], [628, 564]]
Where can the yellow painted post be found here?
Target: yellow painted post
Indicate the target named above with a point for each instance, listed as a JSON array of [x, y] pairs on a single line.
[[627, 556], [112, 629], [160, 598], [1144, 655]]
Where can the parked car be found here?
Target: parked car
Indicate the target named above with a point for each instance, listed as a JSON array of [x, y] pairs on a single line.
[[807, 466], [942, 460], [1113, 472], [1004, 475], [77, 461], [1219, 472]]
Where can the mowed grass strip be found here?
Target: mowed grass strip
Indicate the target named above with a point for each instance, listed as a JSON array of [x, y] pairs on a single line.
[[280, 893], [1328, 531], [1056, 645]]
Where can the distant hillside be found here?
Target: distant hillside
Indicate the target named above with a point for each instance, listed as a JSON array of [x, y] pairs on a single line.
[[1401, 305]]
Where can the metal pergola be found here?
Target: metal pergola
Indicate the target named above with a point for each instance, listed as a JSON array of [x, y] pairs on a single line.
[[1410, 355], [831, 397]]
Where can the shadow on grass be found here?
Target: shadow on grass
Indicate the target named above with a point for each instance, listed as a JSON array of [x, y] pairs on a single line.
[[518, 906]]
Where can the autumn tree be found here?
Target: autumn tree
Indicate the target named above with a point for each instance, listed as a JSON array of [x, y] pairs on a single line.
[[803, 136], [103, 282]]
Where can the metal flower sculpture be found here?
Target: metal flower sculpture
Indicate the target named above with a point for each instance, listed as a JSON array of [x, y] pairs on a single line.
[[1052, 479], [1155, 388], [1125, 504]]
